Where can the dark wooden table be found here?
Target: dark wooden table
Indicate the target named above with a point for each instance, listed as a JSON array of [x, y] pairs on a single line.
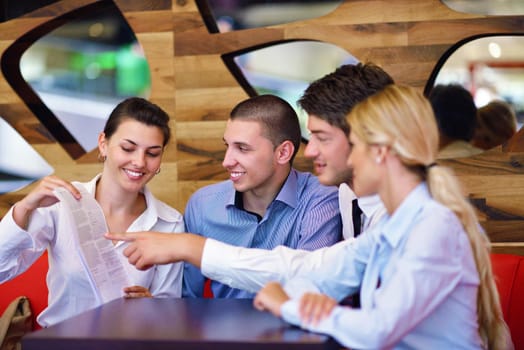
[[157, 324]]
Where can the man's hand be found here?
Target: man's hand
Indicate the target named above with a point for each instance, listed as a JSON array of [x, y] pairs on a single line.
[[146, 249]]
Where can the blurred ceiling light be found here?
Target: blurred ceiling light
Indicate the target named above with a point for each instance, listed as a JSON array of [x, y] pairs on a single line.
[[494, 49]]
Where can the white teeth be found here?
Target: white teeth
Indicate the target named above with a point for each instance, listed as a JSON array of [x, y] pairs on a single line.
[[236, 174], [133, 173]]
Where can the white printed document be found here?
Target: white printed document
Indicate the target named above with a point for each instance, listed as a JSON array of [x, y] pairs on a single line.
[[107, 274]]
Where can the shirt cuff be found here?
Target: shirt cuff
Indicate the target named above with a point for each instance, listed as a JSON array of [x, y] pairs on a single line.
[[289, 312], [215, 262]]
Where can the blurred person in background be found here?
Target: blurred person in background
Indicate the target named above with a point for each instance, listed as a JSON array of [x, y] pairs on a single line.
[[456, 116], [496, 124]]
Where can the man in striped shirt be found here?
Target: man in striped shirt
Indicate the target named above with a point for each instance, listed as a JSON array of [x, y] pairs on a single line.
[[265, 202]]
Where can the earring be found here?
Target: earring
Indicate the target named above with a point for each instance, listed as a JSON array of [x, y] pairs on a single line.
[[157, 171], [101, 158]]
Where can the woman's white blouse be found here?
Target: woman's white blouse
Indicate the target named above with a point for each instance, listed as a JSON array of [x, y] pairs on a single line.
[[70, 291]]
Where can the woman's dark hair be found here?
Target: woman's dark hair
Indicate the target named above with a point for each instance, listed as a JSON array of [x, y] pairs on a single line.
[[141, 110]]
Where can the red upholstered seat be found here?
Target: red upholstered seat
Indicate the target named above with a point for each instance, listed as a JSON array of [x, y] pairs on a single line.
[[509, 274], [32, 284]]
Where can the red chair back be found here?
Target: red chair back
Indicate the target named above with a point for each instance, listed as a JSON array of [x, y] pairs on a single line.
[[32, 284], [509, 276]]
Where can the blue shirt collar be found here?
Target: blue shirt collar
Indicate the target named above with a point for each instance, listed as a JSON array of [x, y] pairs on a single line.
[[287, 194], [398, 224]]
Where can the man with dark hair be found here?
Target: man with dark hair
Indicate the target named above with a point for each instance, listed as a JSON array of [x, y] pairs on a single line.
[[456, 116], [327, 102], [265, 202], [278, 120], [333, 96]]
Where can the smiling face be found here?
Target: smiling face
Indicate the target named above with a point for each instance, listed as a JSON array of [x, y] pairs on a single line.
[[133, 152], [250, 158], [329, 149]]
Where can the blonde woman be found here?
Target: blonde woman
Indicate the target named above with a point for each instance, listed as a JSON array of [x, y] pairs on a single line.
[[424, 271]]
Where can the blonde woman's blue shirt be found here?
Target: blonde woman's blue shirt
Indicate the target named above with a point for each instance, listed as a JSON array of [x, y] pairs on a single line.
[[418, 282]]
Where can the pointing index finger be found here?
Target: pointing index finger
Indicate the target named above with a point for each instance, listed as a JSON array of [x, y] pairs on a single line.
[[120, 236]]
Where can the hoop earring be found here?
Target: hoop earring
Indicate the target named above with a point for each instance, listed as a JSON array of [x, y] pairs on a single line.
[[157, 171], [101, 158]]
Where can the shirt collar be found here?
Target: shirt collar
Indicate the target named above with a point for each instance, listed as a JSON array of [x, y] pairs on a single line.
[[368, 204], [155, 209], [398, 224], [288, 192], [91, 185]]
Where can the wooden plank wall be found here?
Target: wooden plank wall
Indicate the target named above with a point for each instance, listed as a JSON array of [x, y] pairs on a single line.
[[189, 80]]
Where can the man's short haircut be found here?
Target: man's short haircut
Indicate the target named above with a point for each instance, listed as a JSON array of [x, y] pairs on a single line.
[[278, 119], [333, 96]]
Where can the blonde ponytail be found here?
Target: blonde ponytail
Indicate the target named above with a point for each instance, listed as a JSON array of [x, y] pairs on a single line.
[[445, 188]]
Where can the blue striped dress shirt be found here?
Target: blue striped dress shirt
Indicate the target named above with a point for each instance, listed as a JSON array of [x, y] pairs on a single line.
[[304, 215]]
